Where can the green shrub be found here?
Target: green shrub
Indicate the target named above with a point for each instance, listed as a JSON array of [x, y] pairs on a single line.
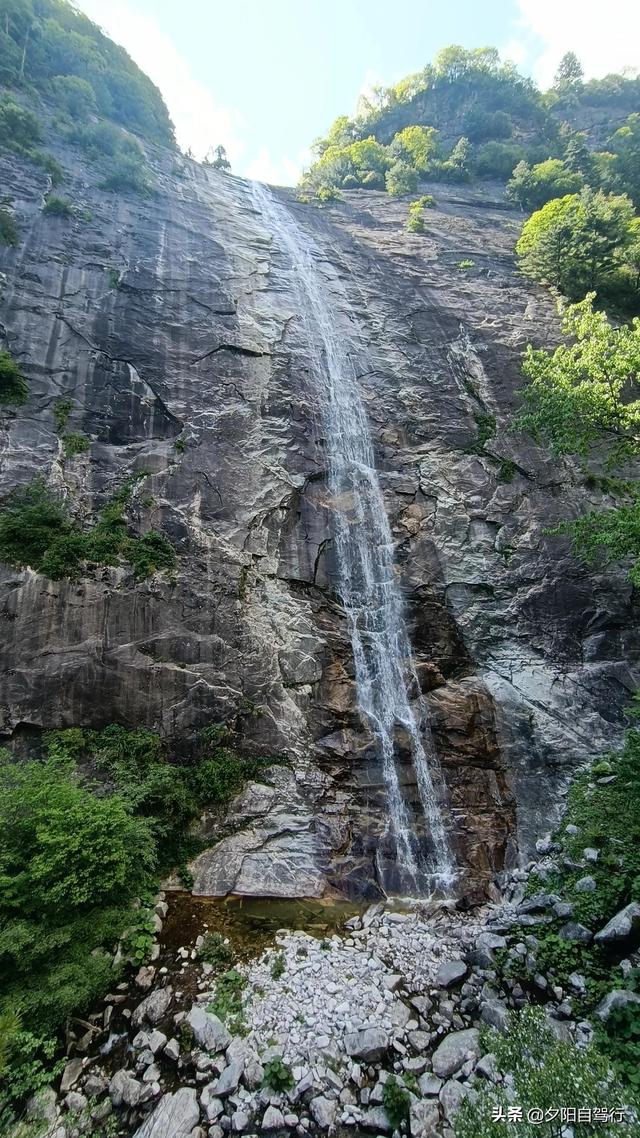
[[75, 443], [127, 174], [58, 207], [619, 1038], [62, 408], [19, 128], [8, 229], [462, 265], [396, 1101], [507, 470], [328, 194], [543, 1074], [215, 950], [278, 966], [13, 385], [227, 1002], [278, 1076], [401, 179], [35, 530], [486, 425]]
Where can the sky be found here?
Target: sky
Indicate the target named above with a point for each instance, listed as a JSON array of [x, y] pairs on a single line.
[[264, 78]]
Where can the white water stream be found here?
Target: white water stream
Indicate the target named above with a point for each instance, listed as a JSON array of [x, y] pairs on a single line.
[[364, 554]]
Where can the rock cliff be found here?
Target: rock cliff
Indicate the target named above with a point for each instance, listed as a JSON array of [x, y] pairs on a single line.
[[171, 326]]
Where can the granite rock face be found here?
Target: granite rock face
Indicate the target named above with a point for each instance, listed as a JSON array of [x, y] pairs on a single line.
[[521, 654]]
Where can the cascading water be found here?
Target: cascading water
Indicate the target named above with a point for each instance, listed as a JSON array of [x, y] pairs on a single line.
[[365, 565]]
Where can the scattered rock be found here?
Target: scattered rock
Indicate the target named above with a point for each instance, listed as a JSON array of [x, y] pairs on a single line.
[[369, 1044], [623, 929], [450, 973], [575, 931], [323, 1111], [174, 1117], [618, 998], [153, 1008], [208, 1031], [454, 1050]]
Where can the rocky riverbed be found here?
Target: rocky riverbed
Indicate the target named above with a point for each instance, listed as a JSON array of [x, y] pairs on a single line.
[[303, 1038]]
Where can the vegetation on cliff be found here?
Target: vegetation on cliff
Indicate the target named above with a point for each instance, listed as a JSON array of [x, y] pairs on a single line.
[[50, 48], [470, 115], [36, 530]]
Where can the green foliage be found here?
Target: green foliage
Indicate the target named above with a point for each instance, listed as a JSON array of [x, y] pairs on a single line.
[[486, 424], [533, 186], [401, 178], [61, 410], [278, 1075], [588, 390], [52, 47], [227, 1002], [396, 1101], [462, 265], [75, 443], [55, 206], [619, 1038], [127, 174], [215, 950], [415, 146], [35, 530], [327, 194], [8, 229], [569, 75], [219, 161], [624, 168], [544, 1074], [507, 470], [577, 242], [19, 127], [70, 864], [277, 966], [13, 385]]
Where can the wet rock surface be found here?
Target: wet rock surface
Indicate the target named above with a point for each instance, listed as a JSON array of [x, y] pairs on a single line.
[[520, 653]]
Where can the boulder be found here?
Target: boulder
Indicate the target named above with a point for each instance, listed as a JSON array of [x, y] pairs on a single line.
[[454, 1050], [208, 1031], [70, 1075], [451, 1097], [124, 1089], [623, 929], [424, 1118], [273, 1119], [174, 1117], [494, 1013], [450, 972], [586, 884], [368, 1044], [228, 1081], [153, 1008], [573, 930], [618, 998], [323, 1111]]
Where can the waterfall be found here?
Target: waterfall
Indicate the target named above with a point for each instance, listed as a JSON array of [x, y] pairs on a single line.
[[367, 583]]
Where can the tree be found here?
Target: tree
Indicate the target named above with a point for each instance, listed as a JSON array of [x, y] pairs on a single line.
[[587, 391], [533, 186], [578, 160], [584, 397], [570, 74], [625, 167], [401, 179], [577, 242], [221, 162], [416, 145]]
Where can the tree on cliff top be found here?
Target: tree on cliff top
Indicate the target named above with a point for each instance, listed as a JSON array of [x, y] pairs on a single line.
[[52, 47]]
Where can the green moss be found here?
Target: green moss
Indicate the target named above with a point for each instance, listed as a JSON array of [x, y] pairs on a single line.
[[13, 385]]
